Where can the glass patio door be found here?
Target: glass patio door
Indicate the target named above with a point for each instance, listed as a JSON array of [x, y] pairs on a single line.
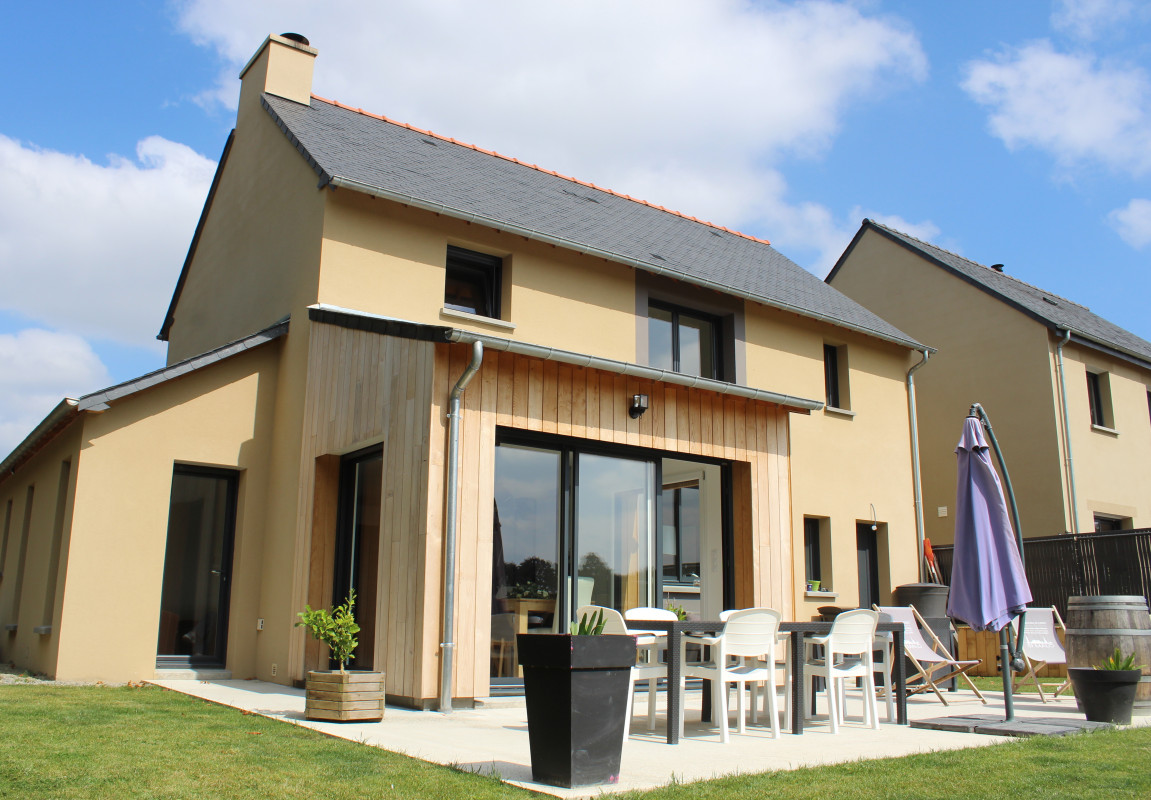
[[358, 545], [197, 568]]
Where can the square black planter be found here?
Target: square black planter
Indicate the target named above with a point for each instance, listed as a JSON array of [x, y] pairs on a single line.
[[576, 689]]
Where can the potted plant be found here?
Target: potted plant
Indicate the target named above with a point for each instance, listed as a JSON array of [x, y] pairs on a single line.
[[1106, 692], [576, 686], [341, 695]]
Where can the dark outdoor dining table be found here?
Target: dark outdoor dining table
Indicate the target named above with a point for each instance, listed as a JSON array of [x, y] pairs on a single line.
[[797, 630]]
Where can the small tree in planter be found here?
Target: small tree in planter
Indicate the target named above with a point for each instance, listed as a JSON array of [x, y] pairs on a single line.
[[1106, 692], [340, 695], [577, 686]]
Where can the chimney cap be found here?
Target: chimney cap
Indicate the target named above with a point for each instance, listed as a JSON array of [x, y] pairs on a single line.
[[997, 267], [297, 37]]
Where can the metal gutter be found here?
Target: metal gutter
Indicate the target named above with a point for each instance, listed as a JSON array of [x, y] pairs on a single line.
[[390, 326], [1067, 428], [57, 418], [447, 646], [917, 480], [635, 370], [569, 244]]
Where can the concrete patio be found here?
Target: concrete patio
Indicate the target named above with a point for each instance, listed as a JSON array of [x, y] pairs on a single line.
[[494, 739]]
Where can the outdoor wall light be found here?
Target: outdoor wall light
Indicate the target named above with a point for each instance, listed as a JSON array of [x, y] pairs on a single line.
[[638, 406], [874, 521]]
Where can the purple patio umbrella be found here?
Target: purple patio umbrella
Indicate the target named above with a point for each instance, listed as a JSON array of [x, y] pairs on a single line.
[[988, 585]]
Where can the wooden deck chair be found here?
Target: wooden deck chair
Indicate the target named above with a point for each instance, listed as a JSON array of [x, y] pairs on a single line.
[[1041, 646], [932, 662]]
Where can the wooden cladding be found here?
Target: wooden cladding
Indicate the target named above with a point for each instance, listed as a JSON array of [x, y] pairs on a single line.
[[366, 387], [524, 393]]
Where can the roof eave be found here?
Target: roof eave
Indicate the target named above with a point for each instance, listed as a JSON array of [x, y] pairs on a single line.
[[58, 419]]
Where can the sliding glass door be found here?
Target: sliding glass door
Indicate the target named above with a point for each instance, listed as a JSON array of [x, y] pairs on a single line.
[[571, 528]]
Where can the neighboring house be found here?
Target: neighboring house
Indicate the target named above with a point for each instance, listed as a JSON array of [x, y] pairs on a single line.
[[1068, 393], [345, 273]]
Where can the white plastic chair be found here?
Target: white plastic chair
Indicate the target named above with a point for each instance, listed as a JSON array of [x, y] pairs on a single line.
[[1041, 646], [847, 654], [642, 671], [743, 653], [932, 662], [649, 652], [782, 663]]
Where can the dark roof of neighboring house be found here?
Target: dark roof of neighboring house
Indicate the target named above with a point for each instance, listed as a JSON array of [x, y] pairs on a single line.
[[1047, 308], [353, 149]]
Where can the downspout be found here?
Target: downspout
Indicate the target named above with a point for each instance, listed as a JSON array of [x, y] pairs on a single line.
[[1067, 430], [447, 646], [919, 533]]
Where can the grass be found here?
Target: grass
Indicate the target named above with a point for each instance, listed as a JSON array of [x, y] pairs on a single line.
[[100, 742]]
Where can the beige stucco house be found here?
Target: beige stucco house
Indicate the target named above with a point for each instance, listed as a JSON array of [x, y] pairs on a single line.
[[1068, 393], [651, 409]]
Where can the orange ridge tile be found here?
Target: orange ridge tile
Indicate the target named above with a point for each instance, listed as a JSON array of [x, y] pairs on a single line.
[[514, 160]]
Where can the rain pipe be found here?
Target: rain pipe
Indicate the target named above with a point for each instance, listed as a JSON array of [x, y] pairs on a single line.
[[1067, 430], [1009, 659], [447, 646], [919, 535]]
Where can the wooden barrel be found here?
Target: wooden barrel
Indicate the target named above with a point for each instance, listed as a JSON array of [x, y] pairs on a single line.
[[1098, 624]]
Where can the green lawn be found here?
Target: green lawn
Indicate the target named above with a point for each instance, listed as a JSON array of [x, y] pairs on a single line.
[[99, 742]]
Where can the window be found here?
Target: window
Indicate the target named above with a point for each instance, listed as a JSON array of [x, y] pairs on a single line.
[[812, 554], [682, 340], [8, 529], [867, 547], [1099, 399], [835, 377], [679, 507], [1106, 524], [473, 282]]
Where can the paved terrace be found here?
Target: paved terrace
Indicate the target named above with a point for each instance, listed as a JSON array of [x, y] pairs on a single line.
[[494, 739]]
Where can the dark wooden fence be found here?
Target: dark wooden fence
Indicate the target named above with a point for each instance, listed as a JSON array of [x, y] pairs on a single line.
[[1059, 567]]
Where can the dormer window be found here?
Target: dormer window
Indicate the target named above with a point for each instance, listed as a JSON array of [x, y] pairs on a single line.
[[473, 282], [683, 340]]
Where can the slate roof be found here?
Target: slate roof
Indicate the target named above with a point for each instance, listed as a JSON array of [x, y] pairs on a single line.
[[353, 149], [1048, 308]]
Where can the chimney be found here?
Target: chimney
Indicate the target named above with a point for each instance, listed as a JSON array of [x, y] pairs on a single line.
[[997, 267], [281, 66]]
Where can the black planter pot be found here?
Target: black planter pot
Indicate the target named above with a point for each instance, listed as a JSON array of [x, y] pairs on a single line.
[[1105, 695], [930, 599], [576, 690]]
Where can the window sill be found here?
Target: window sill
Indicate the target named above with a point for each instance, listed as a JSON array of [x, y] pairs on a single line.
[[838, 412], [1103, 429], [821, 595], [42, 630], [680, 588], [451, 313], [11, 627]]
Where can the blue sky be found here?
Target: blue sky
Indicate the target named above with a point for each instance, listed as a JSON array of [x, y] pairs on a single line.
[[1015, 133]]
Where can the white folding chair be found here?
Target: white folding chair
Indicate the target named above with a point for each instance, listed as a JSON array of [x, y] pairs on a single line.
[[932, 662], [642, 671], [1041, 646], [847, 654], [744, 653]]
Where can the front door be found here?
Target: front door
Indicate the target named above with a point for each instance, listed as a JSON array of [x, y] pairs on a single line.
[[197, 568]]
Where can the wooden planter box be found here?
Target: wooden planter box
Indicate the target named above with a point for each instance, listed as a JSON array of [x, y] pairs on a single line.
[[984, 645], [352, 696]]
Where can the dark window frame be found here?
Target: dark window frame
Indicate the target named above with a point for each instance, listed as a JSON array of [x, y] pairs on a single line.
[[1095, 399], [481, 272], [812, 557], [717, 335], [831, 375], [677, 576]]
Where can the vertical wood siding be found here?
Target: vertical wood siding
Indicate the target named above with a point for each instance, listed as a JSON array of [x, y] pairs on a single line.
[[363, 387]]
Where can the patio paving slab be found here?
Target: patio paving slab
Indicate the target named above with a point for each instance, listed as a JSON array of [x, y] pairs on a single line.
[[494, 740], [995, 725]]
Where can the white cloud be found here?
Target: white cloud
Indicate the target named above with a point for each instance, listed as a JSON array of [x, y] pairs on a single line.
[[1071, 106], [1133, 223], [38, 368], [683, 103], [96, 249], [1088, 19]]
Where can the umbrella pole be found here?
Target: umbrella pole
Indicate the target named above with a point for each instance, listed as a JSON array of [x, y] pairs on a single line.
[[1006, 661]]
